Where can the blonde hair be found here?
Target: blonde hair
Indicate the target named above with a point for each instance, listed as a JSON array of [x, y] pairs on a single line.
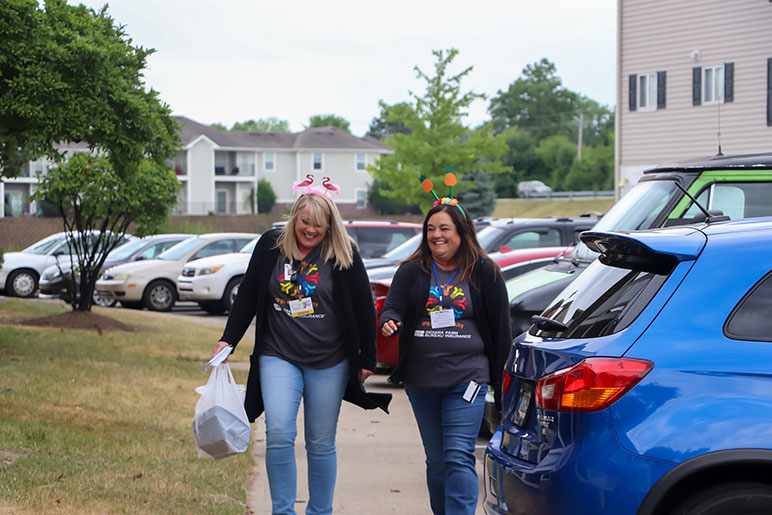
[[337, 246]]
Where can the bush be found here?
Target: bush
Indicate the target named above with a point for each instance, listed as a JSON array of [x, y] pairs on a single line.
[[266, 197]]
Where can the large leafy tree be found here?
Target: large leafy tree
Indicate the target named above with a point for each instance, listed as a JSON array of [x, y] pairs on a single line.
[[437, 137], [324, 120], [381, 129], [69, 73], [536, 102], [97, 206]]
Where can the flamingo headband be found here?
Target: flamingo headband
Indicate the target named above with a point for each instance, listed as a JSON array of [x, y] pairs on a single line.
[[450, 180], [324, 189]]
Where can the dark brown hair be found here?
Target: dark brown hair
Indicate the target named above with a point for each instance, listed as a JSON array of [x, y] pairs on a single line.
[[469, 251]]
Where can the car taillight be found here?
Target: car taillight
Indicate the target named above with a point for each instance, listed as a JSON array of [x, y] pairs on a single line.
[[506, 382], [379, 304], [591, 385]]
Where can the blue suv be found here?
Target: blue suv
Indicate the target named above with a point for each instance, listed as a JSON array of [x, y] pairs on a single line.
[[646, 386]]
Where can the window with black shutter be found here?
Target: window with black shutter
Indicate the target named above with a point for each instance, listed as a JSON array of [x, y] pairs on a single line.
[[632, 95], [697, 85], [769, 92], [728, 82], [661, 88]]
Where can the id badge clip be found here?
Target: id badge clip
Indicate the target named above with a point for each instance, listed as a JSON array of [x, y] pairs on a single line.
[[442, 318], [300, 307]]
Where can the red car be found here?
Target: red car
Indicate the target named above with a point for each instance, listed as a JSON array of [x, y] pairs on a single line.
[[512, 263]]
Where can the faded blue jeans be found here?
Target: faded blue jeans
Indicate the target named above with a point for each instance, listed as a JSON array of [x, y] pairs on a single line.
[[449, 426], [283, 385]]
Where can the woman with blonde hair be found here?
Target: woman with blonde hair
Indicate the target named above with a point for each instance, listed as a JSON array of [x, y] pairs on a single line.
[[314, 340]]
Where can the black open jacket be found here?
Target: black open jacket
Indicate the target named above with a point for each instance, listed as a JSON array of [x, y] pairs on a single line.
[[354, 307], [406, 303]]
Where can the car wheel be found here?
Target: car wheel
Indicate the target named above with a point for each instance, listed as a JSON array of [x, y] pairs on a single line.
[[22, 283], [230, 293], [213, 308], [159, 296], [729, 499], [105, 302], [131, 305]]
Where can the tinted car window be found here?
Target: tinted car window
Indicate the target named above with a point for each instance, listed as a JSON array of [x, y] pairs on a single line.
[[214, 249], [532, 239], [737, 200], [376, 241], [602, 300], [752, 318]]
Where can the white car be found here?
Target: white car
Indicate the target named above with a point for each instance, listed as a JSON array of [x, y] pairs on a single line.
[[213, 282], [528, 189], [21, 271], [152, 283]]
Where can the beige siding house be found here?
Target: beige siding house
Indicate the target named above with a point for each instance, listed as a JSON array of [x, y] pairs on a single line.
[[693, 77], [219, 170]]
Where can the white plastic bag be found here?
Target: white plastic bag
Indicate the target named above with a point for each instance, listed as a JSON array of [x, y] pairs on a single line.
[[220, 425]]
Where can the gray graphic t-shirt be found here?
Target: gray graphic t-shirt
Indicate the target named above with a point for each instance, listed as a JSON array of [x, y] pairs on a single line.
[[442, 357], [314, 339]]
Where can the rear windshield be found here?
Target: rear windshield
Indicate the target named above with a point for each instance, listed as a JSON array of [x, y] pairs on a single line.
[[602, 300]]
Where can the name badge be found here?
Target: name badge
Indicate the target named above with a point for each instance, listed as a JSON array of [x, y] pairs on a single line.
[[301, 307], [287, 272], [442, 318]]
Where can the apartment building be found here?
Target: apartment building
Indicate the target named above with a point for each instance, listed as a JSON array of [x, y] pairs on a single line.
[[694, 76], [219, 170]]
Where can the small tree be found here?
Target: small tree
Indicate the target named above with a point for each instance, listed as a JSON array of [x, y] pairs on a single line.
[[97, 205], [480, 198], [436, 137], [266, 197]]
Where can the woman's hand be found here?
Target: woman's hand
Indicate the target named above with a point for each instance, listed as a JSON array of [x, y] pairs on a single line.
[[220, 346], [390, 327], [364, 374]]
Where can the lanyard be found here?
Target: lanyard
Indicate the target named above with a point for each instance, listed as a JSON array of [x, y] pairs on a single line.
[[311, 263], [443, 286]]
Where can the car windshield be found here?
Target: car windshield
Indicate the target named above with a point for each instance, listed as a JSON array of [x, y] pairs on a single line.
[[249, 247], [178, 251], [405, 249], [127, 249], [635, 211], [487, 235], [45, 246]]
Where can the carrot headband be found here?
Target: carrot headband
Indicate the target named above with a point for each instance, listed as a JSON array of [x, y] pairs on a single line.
[[450, 180]]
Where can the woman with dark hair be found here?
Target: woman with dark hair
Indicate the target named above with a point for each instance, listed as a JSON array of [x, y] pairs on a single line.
[[314, 339], [448, 302]]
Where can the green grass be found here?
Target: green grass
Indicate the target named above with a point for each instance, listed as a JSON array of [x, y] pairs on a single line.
[[533, 208], [102, 424]]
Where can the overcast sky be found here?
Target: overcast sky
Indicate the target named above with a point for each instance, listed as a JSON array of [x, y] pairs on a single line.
[[233, 60]]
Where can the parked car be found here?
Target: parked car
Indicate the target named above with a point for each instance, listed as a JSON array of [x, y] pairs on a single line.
[[152, 283], [644, 386], [56, 279], [738, 186], [528, 189], [213, 282], [21, 271], [376, 237], [512, 263]]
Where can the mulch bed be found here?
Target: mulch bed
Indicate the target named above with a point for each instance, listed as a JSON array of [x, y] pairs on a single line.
[[77, 320]]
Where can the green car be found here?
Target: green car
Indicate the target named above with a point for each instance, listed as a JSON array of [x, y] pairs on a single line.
[[738, 186]]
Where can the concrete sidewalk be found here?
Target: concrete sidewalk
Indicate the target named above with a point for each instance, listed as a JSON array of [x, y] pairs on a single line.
[[381, 467]]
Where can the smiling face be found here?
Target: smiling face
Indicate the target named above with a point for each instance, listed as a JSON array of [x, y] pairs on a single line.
[[443, 239], [308, 234]]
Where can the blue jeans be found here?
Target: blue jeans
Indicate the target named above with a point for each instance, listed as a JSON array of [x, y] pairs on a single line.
[[283, 384], [449, 426]]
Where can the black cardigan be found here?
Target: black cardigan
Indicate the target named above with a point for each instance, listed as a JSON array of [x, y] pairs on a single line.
[[354, 307], [406, 303]]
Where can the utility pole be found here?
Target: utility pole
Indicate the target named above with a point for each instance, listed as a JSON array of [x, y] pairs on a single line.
[[579, 142]]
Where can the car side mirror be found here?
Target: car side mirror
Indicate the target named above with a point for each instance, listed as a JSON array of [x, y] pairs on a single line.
[[140, 258], [504, 249]]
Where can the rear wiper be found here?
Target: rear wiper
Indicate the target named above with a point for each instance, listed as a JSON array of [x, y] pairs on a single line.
[[548, 324]]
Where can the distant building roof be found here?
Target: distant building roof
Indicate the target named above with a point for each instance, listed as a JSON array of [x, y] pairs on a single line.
[[312, 138]]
